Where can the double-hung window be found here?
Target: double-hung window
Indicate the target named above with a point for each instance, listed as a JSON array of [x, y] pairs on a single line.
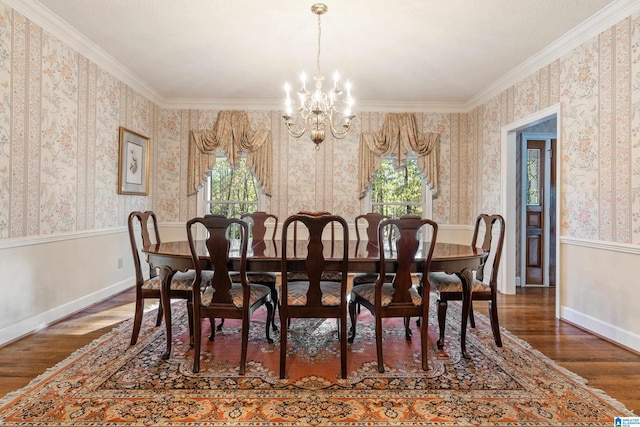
[[231, 191], [398, 190]]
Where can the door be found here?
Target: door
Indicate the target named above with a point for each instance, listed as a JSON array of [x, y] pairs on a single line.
[[539, 213], [535, 211]]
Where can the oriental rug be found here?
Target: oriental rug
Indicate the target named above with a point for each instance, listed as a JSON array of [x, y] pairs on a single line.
[[109, 383]]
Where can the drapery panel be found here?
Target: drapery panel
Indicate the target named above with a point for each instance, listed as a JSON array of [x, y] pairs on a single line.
[[398, 135], [233, 134]]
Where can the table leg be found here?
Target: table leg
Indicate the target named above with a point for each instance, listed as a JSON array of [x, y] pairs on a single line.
[[466, 277], [166, 275]]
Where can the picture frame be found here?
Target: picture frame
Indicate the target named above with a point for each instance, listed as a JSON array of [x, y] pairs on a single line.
[[133, 163]]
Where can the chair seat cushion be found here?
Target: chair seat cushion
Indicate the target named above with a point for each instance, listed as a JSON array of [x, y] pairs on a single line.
[[367, 292], [181, 281], [443, 282], [255, 277], [362, 278], [255, 293], [297, 293]]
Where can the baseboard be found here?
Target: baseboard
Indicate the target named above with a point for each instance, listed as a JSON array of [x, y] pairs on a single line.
[[604, 330], [24, 327]]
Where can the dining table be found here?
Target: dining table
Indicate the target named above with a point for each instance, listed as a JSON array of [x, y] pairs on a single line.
[[265, 256]]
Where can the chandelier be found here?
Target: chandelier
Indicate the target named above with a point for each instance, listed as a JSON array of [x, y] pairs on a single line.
[[317, 110]]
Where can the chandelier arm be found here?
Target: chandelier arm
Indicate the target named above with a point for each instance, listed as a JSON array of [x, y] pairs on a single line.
[[294, 133], [340, 134]]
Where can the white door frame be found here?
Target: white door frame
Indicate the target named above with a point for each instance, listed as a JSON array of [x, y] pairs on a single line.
[[508, 166]]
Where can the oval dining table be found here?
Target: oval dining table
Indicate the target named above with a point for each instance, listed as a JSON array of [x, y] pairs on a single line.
[[453, 258]]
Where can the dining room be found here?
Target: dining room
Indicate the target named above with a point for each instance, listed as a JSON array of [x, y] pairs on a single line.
[[66, 107]]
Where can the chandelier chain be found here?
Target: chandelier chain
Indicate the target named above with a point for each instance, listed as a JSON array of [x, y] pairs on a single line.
[[318, 57]]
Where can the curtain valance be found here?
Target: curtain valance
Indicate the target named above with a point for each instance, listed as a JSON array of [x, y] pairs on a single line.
[[233, 134], [398, 135]]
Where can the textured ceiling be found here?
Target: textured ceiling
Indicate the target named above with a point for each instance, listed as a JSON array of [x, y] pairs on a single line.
[[393, 52]]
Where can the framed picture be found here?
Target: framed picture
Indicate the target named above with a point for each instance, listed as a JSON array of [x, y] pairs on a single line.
[[133, 164]]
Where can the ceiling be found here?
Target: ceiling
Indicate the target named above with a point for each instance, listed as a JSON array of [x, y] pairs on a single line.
[[393, 52]]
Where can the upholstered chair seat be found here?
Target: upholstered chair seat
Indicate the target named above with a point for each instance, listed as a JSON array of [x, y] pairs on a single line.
[[297, 295], [367, 292], [256, 292]]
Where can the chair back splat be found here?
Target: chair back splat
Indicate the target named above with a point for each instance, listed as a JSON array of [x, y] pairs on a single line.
[[306, 292]]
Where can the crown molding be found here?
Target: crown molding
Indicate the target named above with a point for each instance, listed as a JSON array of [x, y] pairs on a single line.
[[609, 16], [50, 22], [222, 104], [57, 27]]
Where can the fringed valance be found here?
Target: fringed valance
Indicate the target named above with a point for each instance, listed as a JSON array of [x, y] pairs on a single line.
[[233, 134], [399, 135]]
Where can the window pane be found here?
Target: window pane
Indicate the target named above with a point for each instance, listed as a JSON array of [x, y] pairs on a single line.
[[234, 191], [533, 176], [397, 191]]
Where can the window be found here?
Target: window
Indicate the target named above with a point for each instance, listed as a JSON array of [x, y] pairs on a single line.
[[231, 191], [397, 191]]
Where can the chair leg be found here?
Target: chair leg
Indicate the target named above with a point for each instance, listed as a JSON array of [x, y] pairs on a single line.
[[274, 299], [190, 321], [270, 317], [343, 348], [220, 325], [283, 345], [442, 316], [495, 326], [379, 343], [159, 317], [245, 341], [424, 341], [472, 320], [197, 325], [407, 328], [352, 316], [137, 321], [212, 334]]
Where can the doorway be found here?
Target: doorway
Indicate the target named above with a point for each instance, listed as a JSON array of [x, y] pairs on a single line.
[[511, 190]]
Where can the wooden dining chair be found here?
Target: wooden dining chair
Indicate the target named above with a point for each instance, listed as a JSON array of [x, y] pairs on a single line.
[[312, 296], [448, 287], [222, 298], [400, 298], [258, 222], [139, 223]]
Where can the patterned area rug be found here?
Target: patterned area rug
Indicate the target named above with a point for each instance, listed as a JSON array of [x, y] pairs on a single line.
[[110, 383]]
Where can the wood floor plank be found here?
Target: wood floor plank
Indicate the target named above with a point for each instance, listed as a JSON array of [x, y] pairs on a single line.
[[530, 315]]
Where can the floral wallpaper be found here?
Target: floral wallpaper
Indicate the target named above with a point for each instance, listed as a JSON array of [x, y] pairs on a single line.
[[60, 113], [59, 120]]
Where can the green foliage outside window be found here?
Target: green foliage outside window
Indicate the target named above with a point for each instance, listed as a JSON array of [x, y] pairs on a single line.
[[397, 191], [234, 191]]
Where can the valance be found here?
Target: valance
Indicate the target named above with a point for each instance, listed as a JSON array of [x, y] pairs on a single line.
[[398, 135], [233, 134]]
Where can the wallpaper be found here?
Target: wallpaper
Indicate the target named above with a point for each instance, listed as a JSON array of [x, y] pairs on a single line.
[[60, 113], [59, 121]]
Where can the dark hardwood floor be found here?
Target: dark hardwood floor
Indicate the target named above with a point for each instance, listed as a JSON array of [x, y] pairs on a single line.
[[530, 315]]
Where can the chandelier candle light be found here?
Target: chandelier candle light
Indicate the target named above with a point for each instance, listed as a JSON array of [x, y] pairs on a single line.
[[318, 109]]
